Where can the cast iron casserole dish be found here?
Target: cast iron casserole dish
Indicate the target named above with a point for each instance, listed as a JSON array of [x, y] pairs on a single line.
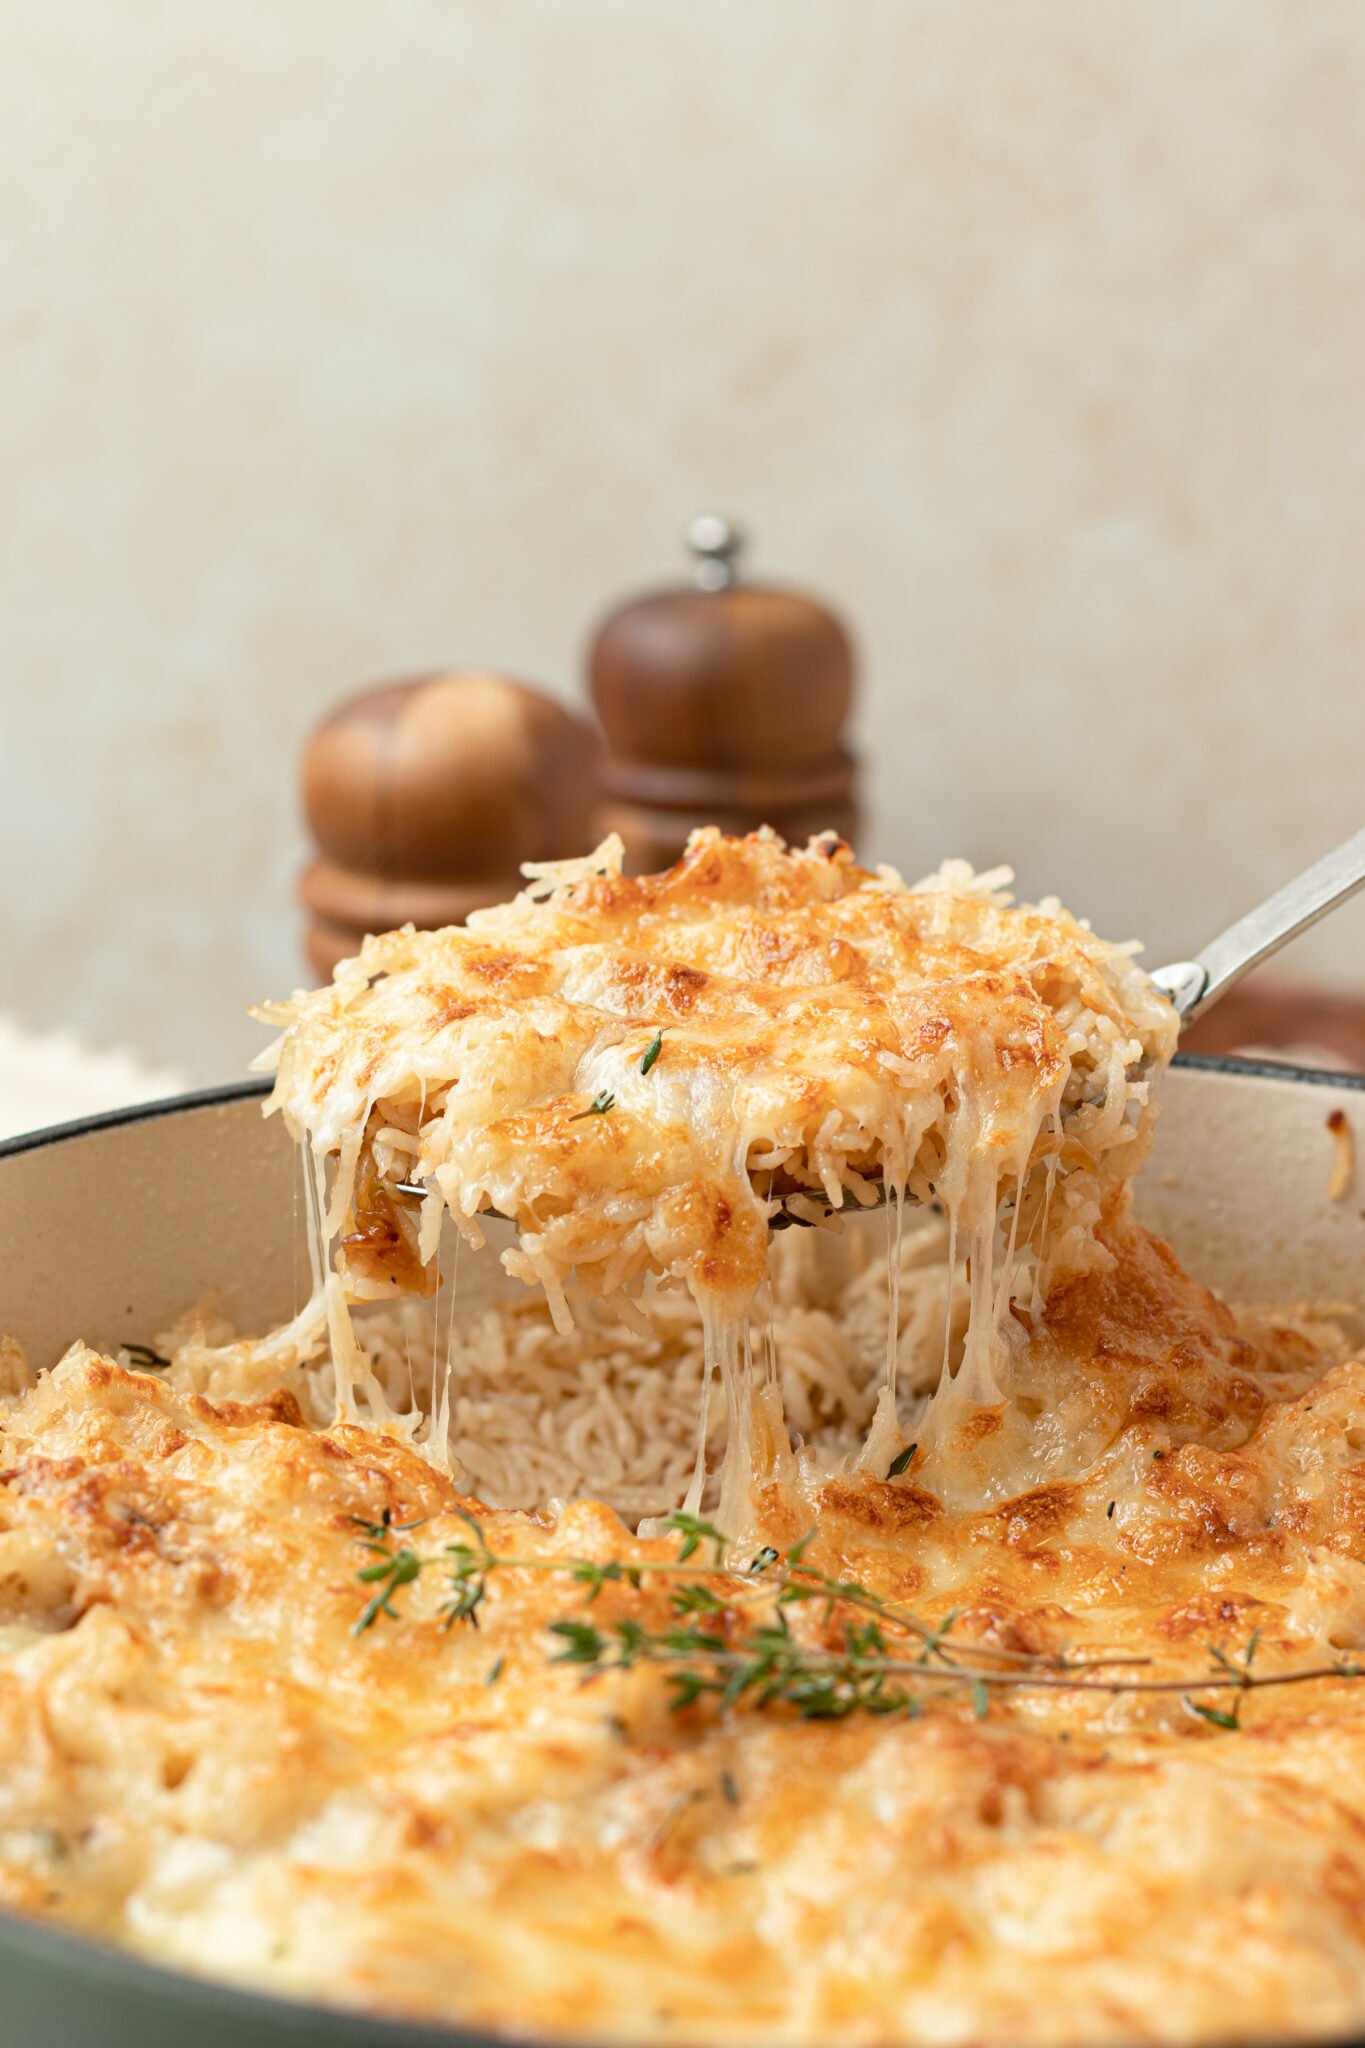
[[111, 1227]]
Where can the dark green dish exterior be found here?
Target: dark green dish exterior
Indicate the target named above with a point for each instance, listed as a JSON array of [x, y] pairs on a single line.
[[57, 1991]]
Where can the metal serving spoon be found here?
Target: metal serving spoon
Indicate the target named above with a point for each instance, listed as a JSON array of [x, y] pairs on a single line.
[[1193, 986]]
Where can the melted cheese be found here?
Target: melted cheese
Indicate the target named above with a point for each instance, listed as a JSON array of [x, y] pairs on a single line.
[[639, 1073], [200, 1761]]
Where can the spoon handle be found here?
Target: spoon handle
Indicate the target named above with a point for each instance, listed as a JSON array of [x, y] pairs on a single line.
[[1193, 985]]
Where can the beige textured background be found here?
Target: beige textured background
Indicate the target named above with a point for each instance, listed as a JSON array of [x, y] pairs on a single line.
[[340, 339]]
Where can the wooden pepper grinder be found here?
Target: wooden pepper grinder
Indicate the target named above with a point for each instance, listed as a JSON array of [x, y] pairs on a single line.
[[723, 703], [426, 796]]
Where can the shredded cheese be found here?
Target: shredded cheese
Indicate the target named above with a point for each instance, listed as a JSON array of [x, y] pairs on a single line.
[[641, 1073], [1055, 1437]]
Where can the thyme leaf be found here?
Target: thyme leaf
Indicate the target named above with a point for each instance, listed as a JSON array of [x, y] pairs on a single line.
[[386, 1574], [652, 1051], [599, 1106], [901, 1461], [694, 1532], [1221, 1717], [144, 1359]]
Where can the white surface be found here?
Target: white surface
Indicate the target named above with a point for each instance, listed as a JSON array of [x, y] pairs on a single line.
[[53, 1079], [337, 340]]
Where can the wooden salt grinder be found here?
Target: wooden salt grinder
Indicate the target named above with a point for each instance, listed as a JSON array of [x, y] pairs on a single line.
[[723, 703], [426, 796]]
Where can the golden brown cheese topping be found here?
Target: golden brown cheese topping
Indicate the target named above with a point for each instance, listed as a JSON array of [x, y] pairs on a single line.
[[1001, 1685], [200, 1759], [639, 1072]]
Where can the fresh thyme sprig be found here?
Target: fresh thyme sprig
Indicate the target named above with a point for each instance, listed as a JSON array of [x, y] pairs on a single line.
[[864, 1675], [769, 1665], [785, 1574], [713, 1648]]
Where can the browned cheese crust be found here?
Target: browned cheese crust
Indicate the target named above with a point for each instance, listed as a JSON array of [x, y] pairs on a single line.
[[198, 1758], [635, 1071]]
